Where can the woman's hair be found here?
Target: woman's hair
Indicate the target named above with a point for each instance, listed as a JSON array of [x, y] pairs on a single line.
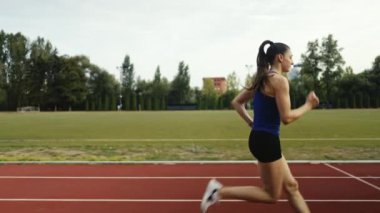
[[264, 60]]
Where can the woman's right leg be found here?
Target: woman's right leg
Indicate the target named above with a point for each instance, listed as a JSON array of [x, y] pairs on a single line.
[[272, 177]]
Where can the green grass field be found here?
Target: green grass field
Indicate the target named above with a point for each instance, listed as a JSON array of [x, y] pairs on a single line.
[[177, 135]]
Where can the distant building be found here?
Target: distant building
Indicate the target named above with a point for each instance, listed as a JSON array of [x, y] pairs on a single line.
[[220, 84]]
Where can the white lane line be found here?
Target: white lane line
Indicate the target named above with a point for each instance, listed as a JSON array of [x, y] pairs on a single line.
[[175, 139], [168, 200], [353, 176], [175, 177], [216, 162]]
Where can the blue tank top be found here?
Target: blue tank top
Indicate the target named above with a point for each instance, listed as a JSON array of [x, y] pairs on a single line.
[[266, 116]]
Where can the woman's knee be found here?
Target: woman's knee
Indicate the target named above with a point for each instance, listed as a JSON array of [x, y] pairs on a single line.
[[291, 186]]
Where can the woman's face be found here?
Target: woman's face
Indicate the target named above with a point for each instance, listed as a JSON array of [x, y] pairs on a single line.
[[286, 61]]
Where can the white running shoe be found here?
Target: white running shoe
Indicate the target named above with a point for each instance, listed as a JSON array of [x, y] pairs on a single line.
[[211, 195]]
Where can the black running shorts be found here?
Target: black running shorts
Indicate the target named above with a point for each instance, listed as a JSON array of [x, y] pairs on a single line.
[[265, 146]]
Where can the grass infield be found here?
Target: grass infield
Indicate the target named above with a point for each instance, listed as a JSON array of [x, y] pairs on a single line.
[[181, 135]]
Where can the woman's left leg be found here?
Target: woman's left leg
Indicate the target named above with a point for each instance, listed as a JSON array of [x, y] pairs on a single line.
[[272, 177], [291, 189]]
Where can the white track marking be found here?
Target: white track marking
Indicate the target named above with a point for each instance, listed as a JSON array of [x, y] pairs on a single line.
[[353, 176], [216, 162], [175, 139], [166, 200], [173, 177]]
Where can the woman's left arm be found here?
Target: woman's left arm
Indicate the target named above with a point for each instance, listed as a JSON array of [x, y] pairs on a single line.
[[287, 115], [239, 105]]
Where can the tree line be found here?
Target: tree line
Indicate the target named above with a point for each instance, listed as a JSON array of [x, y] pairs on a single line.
[[32, 73], [337, 86]]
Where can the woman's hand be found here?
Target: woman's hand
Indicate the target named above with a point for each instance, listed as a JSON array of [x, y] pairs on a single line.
[[312, 99]]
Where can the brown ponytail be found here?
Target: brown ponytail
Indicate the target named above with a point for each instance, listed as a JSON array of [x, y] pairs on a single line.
[[264, 60]]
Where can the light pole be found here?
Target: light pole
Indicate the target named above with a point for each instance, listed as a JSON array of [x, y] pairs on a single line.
[[140, 101], [120, 103], [120, 106], [249, 68]]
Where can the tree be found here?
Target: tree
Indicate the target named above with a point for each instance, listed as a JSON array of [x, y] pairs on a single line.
[[71, 82], [332, 62], [210, 94], [102, 88], [376, 65], [371, 90], [233, 85], [128, 81], [134, 102], [311, 64], [51, 98], [354, 90], [233, 82], [157, 76], [3, 78], [16, 51], [144, 92], [127, 75], [159, 90], [39, 65], [180, 86], [322, 68], [373, 76]]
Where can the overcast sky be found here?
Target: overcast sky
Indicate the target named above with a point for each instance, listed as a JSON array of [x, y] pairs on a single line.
[[214, 37]]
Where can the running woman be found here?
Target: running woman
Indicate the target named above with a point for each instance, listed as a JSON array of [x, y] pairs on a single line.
[[271, 105]]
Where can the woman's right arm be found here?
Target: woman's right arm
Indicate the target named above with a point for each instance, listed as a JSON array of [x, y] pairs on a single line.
[[281, 87], [239, 105]]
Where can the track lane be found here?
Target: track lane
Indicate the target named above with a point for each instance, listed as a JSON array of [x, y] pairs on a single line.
[[321, 192]]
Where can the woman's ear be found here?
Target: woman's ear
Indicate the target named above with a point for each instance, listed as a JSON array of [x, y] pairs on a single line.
[[280, 58]]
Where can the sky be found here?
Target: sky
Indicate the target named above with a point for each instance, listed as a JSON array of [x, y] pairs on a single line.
[[213, 37]]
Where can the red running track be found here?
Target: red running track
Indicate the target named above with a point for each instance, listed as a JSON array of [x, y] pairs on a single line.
[[163, 188]]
